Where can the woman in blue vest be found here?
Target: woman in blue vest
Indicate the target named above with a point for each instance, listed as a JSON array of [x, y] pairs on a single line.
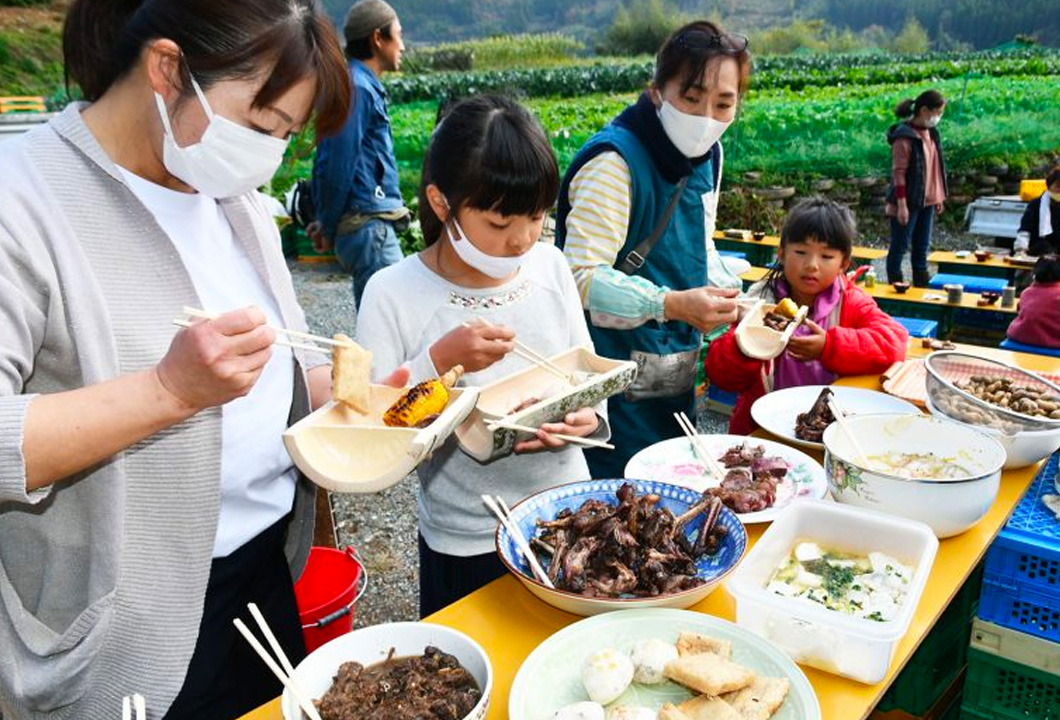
[[636, 220]]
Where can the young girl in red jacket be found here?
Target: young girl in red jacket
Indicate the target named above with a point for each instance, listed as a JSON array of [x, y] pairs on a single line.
[[845, 332]]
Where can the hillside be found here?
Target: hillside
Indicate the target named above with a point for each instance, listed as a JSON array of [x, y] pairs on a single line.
[[31, 49]]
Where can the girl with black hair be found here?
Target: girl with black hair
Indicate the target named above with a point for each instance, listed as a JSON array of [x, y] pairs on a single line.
[[918, 183], [1038, 322], [145, 493], [489, 178], [845, 332]]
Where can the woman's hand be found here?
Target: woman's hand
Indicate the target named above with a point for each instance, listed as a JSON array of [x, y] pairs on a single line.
[[903, 213], [704, 308], [476, 346], [581, 423], [315, 232], [940, 208], [808, 347], [215, 361]]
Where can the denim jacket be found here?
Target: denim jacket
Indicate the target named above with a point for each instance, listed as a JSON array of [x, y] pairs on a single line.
[[356, 171]]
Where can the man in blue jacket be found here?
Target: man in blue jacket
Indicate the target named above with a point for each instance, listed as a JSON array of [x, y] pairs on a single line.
[[358, 202]]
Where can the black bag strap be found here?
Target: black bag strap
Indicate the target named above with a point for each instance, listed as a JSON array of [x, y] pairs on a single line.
[[633, 262]]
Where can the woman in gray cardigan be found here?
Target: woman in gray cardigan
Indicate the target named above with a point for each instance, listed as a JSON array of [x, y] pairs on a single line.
[[145, 497]]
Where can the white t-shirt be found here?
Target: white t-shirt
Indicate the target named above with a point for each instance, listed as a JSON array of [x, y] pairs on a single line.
[[257, 475]]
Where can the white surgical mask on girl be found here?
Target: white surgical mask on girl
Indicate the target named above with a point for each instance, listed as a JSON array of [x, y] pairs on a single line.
[[228, 160], [693, 135], [932, 121], [495, 266]]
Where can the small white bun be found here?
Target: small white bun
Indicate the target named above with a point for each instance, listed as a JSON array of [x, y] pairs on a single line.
[[606, 674], [649, 660], [580, 711]]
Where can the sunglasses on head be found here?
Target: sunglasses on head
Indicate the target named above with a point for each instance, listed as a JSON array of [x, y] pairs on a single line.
[[701, 40]]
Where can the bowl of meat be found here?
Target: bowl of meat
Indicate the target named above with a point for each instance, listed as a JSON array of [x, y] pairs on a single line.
[[400, 671], [617, 544]]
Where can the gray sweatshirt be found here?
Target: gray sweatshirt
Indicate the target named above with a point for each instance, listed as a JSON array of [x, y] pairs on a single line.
[[103, 575]]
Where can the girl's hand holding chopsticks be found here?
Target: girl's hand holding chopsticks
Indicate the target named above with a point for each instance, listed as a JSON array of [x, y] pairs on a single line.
[[476, 346]]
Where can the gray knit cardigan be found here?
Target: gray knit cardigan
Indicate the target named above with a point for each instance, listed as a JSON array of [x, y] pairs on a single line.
[[102, 576]]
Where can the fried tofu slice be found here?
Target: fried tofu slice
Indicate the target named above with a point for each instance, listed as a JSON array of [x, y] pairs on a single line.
[[351, 374], [690, 643], [708, 673], [760, 699], [708, 708], [669, 711]]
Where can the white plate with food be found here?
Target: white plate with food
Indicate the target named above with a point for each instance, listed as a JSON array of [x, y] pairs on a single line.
[[665, 663], [799, 416], [763, 477]]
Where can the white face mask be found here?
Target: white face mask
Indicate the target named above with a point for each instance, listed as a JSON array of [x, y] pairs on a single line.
[[495, 266], [932, 121], [693, 135], [228, 160]]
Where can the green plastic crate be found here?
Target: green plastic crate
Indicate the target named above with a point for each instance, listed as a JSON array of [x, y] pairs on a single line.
[[940, 657], [1000, 689]]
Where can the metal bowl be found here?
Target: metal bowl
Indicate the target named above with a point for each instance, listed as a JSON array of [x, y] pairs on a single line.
[[946, 368]]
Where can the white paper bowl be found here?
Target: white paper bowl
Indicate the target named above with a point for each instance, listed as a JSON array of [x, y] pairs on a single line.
[[948, 506], [372, 644]]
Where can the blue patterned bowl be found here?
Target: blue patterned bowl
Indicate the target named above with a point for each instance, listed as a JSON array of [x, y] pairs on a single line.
[[547, 503]]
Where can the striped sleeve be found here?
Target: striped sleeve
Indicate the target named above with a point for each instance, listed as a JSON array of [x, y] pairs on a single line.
[[597, 225]]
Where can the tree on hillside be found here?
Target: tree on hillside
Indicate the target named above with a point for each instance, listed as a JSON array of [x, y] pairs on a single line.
[[640, 28], [913, 39]]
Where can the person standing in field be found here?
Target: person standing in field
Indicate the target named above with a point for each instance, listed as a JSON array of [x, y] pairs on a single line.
[[918, 183], [358, 202]]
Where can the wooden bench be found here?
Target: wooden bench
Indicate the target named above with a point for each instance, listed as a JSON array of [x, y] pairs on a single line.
[[950, 263], [763, 252], [22, 103]]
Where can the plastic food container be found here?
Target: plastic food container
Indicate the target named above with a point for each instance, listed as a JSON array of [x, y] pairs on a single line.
[[811, 634]]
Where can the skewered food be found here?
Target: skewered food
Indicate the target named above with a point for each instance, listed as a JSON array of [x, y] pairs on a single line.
[[423, 402], [750, 483], [811, 425], [351, 372], [632, 548], [432, 686]]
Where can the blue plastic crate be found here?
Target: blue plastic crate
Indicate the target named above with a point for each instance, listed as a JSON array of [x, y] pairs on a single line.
[[1009, 344], [918, 327], [1021, 586], [971, 283]]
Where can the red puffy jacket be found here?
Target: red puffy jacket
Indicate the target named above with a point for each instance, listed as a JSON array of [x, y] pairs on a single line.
[[866, 341]]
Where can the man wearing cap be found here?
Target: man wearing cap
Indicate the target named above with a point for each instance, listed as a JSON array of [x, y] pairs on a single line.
[[358, 202]]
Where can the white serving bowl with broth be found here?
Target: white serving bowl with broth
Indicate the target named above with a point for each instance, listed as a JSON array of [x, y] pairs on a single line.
[[959, 469]]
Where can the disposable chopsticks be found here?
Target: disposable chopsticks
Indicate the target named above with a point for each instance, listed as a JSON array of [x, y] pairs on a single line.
[[572, 439], [698, 447], [504, 515]]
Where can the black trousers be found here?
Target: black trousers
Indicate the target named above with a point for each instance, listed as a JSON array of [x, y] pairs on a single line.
[[226, 679], [444, 579]]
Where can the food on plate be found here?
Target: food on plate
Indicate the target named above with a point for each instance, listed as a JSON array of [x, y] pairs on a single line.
[[633, 547], [935, 344], [606, 674], [1009, 394], [432, 686], [919, 466], [810, 425], [649, 660], [524, 405], [351, 374], [751, 478], [690, 643], [760, 699], [708, 673], [871, 587], [585, 710], [781, 315], [700, 708], [630, 712], [423, 402]]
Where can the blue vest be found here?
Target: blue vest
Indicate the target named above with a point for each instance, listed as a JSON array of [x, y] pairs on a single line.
[[678, 261]]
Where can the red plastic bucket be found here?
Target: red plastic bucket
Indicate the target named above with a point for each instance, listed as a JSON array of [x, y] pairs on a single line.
[[327, 593]]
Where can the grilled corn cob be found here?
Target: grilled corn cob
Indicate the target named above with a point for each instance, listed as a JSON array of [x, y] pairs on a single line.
[[422, 400], [787, 308]]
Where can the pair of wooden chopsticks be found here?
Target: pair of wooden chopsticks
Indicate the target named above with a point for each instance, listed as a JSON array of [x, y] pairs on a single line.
[[701, 451], [329, 342], [528, 353], [841, 418], [129, 702], [504, 514], [572, 439], [284, 675]]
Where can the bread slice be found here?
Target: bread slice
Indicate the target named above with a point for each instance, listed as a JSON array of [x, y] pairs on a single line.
[[351, 374], [708, 673], [670, 711], [708, 708], [760, 699], [690, 643]]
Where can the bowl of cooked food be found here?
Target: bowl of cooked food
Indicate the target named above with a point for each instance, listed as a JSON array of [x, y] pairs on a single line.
[[758, 235], [943, 473], [619, 544], [400, 671], [983, 255], [900, 287]]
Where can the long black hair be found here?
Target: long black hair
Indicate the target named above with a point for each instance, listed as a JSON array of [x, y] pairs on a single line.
[[819, 219], [488, 153], [930, 99], [282, 40]]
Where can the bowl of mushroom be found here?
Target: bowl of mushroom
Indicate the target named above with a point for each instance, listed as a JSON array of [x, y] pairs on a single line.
[[1020, 408]]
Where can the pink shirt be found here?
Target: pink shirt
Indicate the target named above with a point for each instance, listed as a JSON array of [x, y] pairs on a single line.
[[1038, 322], [934, 187]]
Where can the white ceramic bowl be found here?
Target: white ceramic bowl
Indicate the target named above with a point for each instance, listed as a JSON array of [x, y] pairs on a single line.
[[1022, 449], [948, 506], [372, 644]]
